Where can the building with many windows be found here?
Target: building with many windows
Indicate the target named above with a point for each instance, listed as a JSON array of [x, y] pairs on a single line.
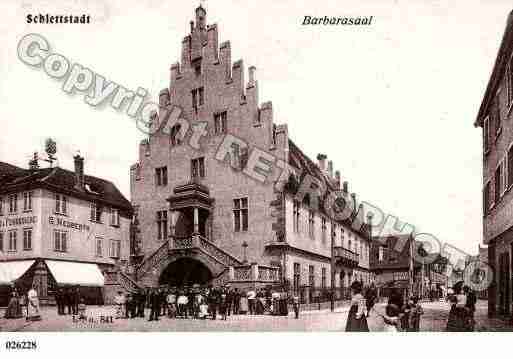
[[495, 119], [214, 189], [60, 228]]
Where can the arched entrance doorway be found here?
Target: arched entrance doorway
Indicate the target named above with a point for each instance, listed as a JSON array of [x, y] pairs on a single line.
[[185, 272]]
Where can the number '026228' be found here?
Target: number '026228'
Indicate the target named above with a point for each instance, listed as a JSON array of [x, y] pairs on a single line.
[[20, 345]]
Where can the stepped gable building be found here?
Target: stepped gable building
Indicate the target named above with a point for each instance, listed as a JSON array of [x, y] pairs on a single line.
[[201, 218], [60, 228], [495, 119]]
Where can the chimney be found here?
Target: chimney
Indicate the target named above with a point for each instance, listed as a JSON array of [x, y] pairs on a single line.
[[79, 171], [252, 80], [322, 161], [345, 186], [330, 168]]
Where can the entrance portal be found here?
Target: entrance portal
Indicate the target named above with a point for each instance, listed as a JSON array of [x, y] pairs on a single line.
[[185, 272]]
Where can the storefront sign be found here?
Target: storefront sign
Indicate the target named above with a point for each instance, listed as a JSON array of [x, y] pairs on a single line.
[[56, 221], [18, 221]]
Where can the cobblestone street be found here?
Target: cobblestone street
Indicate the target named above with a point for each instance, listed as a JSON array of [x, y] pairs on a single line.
[[435, 319]]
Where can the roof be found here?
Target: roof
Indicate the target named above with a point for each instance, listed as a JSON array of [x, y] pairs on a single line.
[[499, 68], [301, 162], [8, 172], [62, 180]]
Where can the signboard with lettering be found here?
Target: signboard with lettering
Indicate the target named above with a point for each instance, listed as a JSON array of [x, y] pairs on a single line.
[[60, 222], [18, 221]]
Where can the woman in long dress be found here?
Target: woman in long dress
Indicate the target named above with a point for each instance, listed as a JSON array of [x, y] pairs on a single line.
[[357, 320], [13, 310], [33, 313], [459, 315]]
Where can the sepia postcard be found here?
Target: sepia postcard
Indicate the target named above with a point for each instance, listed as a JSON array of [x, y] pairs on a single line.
[[273, 166]]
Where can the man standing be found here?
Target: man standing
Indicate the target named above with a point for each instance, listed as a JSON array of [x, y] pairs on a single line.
[[295, 303], [229, 301], [76, 300], [251, 301], [68, 300], [155, 305], [370, 297], [236, 301], [59, 298]]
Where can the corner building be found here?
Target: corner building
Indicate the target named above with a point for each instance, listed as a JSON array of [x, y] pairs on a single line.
[[495, 119], [200, 218]]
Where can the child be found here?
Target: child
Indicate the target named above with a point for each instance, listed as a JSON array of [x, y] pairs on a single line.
[[391, 318], [82, 309], [416, 312], [203, 310]]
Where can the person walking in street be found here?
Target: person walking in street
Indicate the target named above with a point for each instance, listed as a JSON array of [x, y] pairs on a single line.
[[470, 304], [370, 297], [459, 314], [416, 312], [356, 320]]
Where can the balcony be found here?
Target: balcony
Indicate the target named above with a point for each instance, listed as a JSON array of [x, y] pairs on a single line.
[[255, 273], [346, 257]]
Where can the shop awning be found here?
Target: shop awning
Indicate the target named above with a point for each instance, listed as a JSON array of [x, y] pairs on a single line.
[[73, 273], [11, 271]]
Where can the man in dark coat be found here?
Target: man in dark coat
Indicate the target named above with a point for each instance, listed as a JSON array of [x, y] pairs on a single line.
[[229, 301], [68, 300], [141, 301], [213, 302], [59, 299], [155, 304], [75, 300], [236, 301], [370, 297]]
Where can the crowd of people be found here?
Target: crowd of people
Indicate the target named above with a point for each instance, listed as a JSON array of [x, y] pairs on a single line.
[[201, 303]]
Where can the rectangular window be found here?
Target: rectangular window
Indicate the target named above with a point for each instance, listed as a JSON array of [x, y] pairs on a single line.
[[498, 183], [27, 201], [297, 276], [220, 123], [61, 204], [509, 82], [311, 224], [197, 97], [27, 239], [198, 167], [323, 278], [323, 230], [162, 225], [510, 166], [96, 212], [311, 276], [99, 247], [380, 253], [13, 241], [13, 203], [196, 64], [295, 210], [114, 217], [486, 134], [240, 214], [161, 176], [115, 248], [487, 198], [60, 241]]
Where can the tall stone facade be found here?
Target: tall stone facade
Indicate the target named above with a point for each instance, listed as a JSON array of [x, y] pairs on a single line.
[[203, 214]]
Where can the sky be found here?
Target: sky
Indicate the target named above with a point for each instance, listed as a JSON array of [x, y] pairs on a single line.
[[391, 104]]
